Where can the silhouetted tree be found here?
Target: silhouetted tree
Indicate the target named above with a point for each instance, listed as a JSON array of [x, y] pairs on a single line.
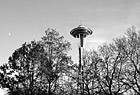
[[91, 61], [111, 68], [37, 68], [19, 75], [132, 66], [72, 81], [54, 62], [120, 70]]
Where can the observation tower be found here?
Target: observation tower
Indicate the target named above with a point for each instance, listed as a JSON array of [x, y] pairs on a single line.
[[80, 32]]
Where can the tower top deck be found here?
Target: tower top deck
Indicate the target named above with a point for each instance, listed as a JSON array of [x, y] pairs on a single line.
[[81, 31]]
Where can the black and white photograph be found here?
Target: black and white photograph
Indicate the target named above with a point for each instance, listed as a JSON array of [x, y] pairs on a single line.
[[69, 47]]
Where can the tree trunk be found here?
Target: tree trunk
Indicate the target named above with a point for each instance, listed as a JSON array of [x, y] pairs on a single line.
[[49, 92]]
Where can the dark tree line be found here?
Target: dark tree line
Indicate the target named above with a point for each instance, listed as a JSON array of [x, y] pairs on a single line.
[[44, 68]]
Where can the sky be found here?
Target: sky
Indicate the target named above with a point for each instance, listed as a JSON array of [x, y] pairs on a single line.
[[26, 20]]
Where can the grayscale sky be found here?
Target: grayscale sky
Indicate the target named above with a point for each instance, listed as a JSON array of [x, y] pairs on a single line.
[[25, 20]]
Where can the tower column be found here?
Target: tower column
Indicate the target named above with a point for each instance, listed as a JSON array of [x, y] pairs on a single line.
[[80, 32]]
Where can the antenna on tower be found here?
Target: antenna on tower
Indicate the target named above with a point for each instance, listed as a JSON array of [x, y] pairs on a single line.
[[80, 20]]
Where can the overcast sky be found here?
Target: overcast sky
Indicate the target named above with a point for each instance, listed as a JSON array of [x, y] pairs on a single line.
[[25, 20]]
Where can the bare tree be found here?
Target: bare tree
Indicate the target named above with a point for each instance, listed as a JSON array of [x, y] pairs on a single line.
[[111, 68], [91, 61], [132, 67], [121, 64]]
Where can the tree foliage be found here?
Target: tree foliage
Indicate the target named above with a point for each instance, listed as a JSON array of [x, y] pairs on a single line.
[[54, 61], [20, 73], [34, 68]]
